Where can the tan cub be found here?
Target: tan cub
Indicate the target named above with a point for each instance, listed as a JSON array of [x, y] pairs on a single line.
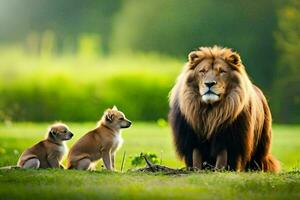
[[102, 142], [49, 152]]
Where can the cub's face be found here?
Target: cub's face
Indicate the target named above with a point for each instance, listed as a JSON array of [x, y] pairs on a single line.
[[60, 132], [212, 77], [116, 119]]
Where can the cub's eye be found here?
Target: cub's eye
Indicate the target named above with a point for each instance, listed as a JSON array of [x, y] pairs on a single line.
[[121, 118], [65, 131]]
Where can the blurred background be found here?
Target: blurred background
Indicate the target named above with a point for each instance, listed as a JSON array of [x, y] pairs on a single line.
[[69, 60]]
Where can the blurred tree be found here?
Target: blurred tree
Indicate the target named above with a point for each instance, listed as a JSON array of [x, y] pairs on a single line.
[[67, 19], [172, 27], [286, 98], [176, 27]]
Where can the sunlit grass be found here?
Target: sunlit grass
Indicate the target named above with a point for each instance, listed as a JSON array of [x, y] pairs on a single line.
[[143, 137], [70, 184]]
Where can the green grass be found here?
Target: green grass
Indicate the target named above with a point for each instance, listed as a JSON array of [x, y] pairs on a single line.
[[143, 137], [58, 184]]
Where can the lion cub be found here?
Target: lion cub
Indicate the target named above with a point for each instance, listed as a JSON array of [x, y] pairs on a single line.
[[102, 142], [49, 152]]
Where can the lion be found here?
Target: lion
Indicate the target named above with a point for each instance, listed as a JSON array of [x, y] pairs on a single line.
[[219, 118]]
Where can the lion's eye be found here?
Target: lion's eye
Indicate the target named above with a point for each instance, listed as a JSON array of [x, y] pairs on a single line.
[[202, 71], [121, 118], [222, 71]]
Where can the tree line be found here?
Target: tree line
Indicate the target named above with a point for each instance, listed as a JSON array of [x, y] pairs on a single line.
[[265, 33]]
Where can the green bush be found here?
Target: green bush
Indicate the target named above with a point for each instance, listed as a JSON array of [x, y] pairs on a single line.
[[141, 97], [140, 160], [46, 92]]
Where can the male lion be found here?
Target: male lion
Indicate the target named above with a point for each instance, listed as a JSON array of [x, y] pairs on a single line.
[[218, 117]]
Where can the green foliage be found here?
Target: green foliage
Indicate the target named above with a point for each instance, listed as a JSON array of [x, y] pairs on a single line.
[[67, 20], [62, 97], [162, 122], [45, 92], [286, 88], [181, 26], [89, 46], [139, 159], [265, 33]]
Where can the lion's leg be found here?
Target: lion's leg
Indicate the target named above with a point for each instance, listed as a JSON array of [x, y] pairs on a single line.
[[197, 159], [239, 163], [221, 161], [188, 160]]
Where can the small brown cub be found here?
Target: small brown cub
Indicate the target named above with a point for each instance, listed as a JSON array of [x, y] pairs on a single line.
[[102, 142], [49, 152]]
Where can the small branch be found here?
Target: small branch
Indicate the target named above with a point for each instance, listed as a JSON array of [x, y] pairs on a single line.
[[10, 167], [149, 164]]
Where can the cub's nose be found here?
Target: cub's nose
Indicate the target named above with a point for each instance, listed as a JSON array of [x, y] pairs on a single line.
[[210, 83], [71, 134]]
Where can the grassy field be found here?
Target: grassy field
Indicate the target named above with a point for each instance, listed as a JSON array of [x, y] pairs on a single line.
[[144, 137]]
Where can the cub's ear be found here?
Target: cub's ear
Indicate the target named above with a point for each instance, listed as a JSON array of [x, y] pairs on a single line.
[[115, 108], [109, 117], [195, 57], [52, 133], [234, 59]]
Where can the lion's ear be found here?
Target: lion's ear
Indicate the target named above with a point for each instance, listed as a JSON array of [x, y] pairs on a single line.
[[195, 58], [234, 59]]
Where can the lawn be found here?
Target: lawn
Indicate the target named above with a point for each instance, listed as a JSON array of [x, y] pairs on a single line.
[[144, 137]]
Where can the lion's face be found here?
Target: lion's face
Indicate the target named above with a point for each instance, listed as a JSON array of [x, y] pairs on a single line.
[[213, 88], [212, 77]]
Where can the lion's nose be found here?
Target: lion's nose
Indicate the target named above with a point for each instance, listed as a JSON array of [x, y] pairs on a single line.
[[210, 83]]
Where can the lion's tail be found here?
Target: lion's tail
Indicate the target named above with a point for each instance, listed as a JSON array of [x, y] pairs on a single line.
[[270, 164]]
